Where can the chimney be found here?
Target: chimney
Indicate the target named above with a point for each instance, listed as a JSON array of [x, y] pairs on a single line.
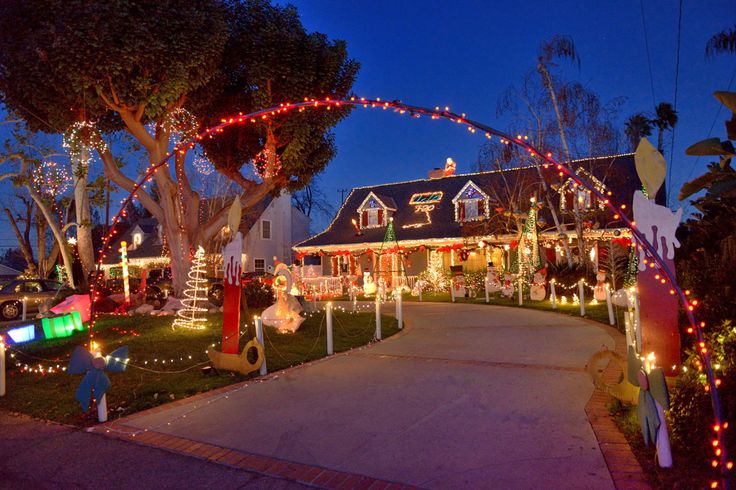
[[436, 173]]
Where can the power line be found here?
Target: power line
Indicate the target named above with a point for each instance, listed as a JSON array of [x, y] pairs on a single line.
[[342, 194], [649, 58], [677, 77]]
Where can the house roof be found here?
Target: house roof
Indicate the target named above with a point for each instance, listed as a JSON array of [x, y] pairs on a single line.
[[617, 172], [8, 271], [151, 246]]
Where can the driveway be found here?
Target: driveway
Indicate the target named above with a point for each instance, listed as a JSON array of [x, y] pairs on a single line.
[[469, 396]]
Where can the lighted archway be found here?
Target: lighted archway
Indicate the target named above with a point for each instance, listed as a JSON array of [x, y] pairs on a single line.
[[695, 328]]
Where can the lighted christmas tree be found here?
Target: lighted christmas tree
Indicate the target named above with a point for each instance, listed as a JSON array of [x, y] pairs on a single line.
[[526, 261], [192, 315]]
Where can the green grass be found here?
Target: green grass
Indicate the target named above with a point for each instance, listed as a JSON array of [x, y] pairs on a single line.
[[155, 346]]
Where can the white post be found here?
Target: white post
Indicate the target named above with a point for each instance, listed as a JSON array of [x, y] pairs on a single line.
[[330, 345], [399, 309], [259, 337], [581, 293], [25, 307], [314, 300], [611, 316], [420, 295], [664, 452], [378, 318], [2, 367], [486, 283], [452, 289], [102, 409], [553, 294], [355, 303], [521, 292]]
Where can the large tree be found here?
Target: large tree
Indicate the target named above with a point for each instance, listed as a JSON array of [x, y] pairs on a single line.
[[133, 66]]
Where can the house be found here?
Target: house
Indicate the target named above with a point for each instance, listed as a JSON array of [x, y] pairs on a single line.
[[466, 220], [269, 228]]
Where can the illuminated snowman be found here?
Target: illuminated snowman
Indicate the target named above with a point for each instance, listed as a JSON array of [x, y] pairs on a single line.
[[599, 292], [538, 289], [492, 282], [369, 285], [507, 290]]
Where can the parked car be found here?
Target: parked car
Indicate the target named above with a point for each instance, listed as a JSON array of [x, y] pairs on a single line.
[[36, 291], [158, 284]]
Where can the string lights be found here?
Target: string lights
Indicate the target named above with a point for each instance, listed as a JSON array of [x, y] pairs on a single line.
[[192, 315], [650, 253]]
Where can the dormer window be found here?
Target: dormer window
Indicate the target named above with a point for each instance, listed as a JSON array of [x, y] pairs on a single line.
[[375, 211], [471, 203], [571, 193]]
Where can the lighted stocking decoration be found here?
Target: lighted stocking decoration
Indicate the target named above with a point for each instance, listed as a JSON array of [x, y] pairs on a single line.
[[658, 315], [232, 255]]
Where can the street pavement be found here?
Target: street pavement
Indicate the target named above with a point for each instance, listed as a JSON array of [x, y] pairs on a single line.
[[39, 455], [469, 396]]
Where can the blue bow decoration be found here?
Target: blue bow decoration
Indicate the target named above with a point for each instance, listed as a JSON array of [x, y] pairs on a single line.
[[95, 382]]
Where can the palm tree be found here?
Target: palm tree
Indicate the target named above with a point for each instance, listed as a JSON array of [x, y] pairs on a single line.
[[666, 120], [721, 43], [637, 127]]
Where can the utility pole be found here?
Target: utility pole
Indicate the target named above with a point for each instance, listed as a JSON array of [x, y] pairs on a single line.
[[342, 195]]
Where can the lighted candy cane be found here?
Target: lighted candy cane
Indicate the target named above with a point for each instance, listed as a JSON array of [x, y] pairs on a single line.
[[563, 169]]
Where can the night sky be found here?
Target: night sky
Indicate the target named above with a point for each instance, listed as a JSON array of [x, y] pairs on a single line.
[[465, 54]]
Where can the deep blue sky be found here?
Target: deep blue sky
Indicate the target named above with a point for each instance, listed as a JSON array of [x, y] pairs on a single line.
[[464, 54]]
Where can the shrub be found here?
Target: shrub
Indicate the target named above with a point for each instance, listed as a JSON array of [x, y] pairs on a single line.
[[258, 295]]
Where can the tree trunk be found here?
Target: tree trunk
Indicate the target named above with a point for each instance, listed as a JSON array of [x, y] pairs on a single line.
[[56, 231], [85, 247], [24, 246], [43, 263], [660, 141], [547, 79]]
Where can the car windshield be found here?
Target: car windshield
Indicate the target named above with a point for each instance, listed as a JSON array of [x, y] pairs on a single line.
[[12, 287]]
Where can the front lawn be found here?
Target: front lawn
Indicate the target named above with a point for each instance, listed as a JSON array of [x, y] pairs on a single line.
[[165, 364]]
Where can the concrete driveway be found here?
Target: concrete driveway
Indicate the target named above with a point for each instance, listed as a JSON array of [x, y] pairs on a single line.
[[470, 396]]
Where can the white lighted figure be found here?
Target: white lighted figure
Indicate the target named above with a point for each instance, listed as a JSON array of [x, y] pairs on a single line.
[[599, 292], [381, 289], [284, 315], [419, 286], [538, 289], [369, 285], [507, 290], [458, 285], [492, 282]]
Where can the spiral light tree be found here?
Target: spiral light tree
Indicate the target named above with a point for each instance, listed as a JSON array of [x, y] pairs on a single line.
[[192, 315]]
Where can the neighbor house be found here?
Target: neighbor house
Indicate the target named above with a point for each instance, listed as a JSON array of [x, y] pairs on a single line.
[[270, 229]]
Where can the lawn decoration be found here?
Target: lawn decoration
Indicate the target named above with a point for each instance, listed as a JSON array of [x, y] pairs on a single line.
[[624, 389], [658, 315], [654, 399], [538, 289], [75, 303], [233, 265], [238, 363], [507, 290], [284, 315], [192, 315], [492, 283], [381, 292], [599, 292], [369, 285], [95, 382], [458, 282], [419, 286], [126, 274]]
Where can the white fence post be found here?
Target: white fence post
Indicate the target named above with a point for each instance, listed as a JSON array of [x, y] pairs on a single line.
[[486, 284], [2, 367], [399, 308], [452, 289], [259, 337], [378, 317], [553, 294], [609, 304], [581, 293], [521, 292], [102, 409], [330, 345], [25, 308]]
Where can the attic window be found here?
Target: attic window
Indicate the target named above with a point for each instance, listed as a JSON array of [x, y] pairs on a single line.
[[373, 213], [137, 239], [471, 203]]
